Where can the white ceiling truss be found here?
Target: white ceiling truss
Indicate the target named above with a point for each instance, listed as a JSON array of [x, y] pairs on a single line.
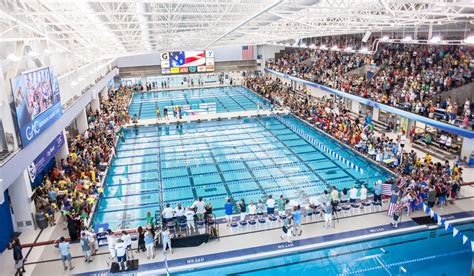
[[95, 29]]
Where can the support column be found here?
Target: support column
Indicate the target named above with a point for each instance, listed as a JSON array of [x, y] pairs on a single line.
[[355, 107], [95, 103], [104, 94], [64, 150], [467, 148], [23, 208], [375, 114], [81, 120]]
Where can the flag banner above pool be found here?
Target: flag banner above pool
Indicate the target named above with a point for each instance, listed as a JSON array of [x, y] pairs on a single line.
[[319, 145], [448, 227]]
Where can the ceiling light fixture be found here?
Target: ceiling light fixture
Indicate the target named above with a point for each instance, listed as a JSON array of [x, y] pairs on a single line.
[[469, 40], [13, 57], [435, 39]]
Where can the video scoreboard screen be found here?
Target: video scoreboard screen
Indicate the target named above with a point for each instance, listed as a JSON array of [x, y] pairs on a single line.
[[183, 62]]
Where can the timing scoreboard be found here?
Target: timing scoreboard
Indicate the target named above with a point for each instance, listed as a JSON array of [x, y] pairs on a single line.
[[183, 62]]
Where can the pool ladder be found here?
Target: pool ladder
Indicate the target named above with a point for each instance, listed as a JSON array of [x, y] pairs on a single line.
[[432, 234]]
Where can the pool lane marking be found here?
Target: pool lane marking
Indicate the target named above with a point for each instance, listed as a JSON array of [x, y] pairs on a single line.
[[294, 153], [312, 141]]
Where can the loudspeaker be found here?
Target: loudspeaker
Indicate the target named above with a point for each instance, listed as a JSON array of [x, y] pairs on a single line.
[[131, 265]]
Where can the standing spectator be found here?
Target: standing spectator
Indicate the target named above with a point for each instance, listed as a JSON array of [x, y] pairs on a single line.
[[141, 239], [270, 205], [166, 239], [327, 215], [150, 253], [228, 208], [86, 247], [111, 245], [121, 249], [297, 220], [431, 196], [353, 194], [18, 257], [378, 191], [168, 214], [65, 249], [243, 209], [363, 193], [287, 229], [149, 219], [260, 208], [200, 208], [335, 195], [179, 213], [252, 210], [127, 239], [189, 214], [281, 205], [454, 191]]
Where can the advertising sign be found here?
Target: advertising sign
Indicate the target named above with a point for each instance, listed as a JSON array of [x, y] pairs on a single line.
[[37, 102], [45, 156]]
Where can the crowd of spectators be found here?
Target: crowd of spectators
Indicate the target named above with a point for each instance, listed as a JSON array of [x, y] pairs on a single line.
[[417, 178], [74, 184], [408, 76]]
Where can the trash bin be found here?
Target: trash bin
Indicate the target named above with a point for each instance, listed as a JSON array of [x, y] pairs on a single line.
[[41, 220]]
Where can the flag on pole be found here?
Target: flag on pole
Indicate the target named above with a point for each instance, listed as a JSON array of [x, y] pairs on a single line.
[[446, 225], [464, 239], [432, 213], [247, 52]]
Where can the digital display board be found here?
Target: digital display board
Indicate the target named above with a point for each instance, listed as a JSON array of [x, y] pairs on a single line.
[[183, 62], [37, 102]]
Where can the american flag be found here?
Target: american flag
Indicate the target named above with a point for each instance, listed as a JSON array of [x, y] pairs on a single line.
[[187, 58], [247, 52], [386, 189]]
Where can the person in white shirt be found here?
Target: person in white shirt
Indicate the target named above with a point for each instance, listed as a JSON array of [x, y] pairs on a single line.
[[168, 213], [443, 139], [363, 193], [353, 194], [449, 141], [200, 208], [252, 210], [127, 239], [179, 213], [111, 245], [270, 205], [189, 214], [121, 249]]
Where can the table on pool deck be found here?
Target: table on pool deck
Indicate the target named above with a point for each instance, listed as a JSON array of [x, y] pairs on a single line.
[[208, 117]]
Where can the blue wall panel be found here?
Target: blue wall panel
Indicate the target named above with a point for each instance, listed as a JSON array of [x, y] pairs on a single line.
[[6, 227]]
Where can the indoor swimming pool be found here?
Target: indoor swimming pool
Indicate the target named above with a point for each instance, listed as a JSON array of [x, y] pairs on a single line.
[[195, 101], [431, 252], [239, 158]]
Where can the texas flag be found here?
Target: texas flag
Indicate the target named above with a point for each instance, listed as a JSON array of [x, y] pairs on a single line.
[[187, 58]]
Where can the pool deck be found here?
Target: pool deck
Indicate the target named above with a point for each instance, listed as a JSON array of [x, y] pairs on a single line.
[[231, 247], [207, 117]]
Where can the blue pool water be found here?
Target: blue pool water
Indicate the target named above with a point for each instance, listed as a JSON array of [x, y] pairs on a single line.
[[208, 100], [433, 252], [239, 158]]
